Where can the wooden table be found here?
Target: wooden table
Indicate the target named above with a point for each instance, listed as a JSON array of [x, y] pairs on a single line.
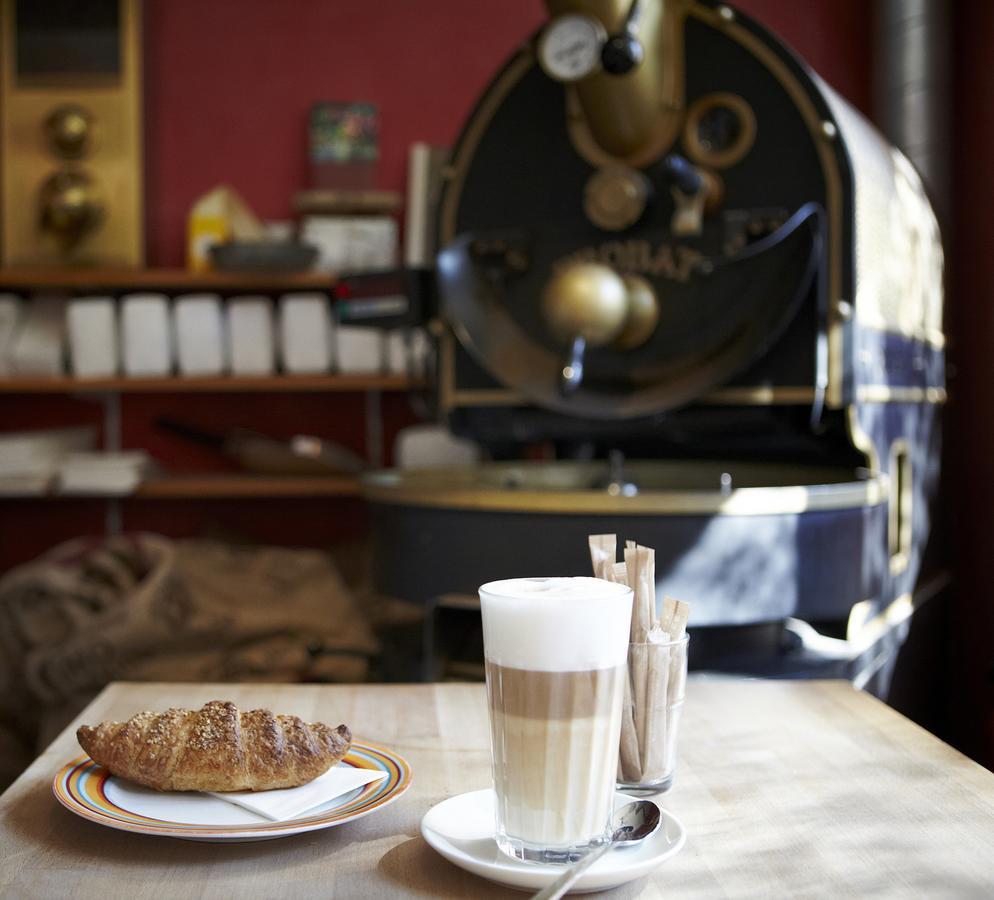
[[787, 789]]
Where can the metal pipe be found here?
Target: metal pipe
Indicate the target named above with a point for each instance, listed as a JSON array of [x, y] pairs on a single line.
[[622, 111], [911, 87]]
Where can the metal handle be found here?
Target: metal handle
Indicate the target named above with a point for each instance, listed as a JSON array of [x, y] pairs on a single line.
[[565, 881], [571, 374]]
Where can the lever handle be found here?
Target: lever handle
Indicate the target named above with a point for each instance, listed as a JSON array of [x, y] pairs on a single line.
[[571, 374], [623, 51], [683, 174]]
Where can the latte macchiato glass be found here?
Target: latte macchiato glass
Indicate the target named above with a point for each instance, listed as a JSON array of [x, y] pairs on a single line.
[[556, 652]]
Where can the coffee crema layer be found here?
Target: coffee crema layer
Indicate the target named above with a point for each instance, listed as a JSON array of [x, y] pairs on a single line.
[[533, 694]]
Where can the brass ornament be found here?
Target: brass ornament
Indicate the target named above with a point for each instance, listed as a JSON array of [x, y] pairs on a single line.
[[71, 207], [594, 302], [586, 300], [615, 197], [69, 131], [631, 118], [643, 314], [724, 157]]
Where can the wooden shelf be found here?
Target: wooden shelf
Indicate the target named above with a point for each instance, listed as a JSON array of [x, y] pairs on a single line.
[[329, 201], [221, 485], [237, 485], [219, 384], [116, 280]]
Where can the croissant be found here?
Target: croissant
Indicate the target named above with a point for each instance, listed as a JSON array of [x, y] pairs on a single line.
[[215, 748]]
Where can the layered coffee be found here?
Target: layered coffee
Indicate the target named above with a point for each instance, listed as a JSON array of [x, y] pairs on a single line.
[[555, 659]]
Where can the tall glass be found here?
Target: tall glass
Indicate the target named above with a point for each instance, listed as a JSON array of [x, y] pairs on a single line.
[[657, 680], [556, 651]]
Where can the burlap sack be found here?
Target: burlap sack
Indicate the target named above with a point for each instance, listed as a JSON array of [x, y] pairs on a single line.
[[141, 607]]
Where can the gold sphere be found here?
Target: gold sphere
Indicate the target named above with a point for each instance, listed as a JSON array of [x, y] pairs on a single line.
[[643, 313], [69, 130], [615, 197], [586, 300], [71, 207]]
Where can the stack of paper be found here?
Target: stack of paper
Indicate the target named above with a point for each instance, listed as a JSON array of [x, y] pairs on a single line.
[[93, 341], [408, 351], [146, 335], [39, 344], [10, 315], [30, 459], [199, 333], [352, 243], [251, 344], [305, 333], [358, 349], [104, 473]]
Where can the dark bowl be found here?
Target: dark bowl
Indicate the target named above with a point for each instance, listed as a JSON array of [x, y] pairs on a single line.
[[269, 256]]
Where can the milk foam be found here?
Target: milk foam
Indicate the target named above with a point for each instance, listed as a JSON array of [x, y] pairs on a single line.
[[556, 624]]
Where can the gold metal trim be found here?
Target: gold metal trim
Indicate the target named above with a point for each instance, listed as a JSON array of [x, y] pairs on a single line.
[[739, 396], [885, 393], [395, 489], [604, 111], [900, 507], [760, 396], [861, 440], [833, 184], [496, 397], [692, 139], [506, 80]]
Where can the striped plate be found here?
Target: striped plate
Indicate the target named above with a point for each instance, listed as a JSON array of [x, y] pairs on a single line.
[[93, 793]]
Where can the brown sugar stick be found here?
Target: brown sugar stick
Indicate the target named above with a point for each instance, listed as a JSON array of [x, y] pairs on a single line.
[[678, 669], [641, 577], [666, 616], [641, 574], [619, 572], [628, 758], [629, 765], [656, 703], [676, 682], [603, 553]]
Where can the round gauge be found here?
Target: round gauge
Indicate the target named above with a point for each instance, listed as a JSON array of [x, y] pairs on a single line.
[[720, 130], [570, 47]]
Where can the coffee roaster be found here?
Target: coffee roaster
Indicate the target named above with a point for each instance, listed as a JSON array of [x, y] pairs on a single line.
[[702, 296]]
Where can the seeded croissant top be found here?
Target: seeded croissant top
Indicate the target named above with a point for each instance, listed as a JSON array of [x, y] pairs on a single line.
[[215, 748]]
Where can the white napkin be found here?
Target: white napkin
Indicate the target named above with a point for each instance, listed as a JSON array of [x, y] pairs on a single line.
[[291, 802]]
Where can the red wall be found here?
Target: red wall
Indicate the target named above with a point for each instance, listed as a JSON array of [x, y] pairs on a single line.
[[229, 83], [228, 86]]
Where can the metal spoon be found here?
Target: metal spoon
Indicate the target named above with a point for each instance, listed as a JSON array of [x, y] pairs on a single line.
[[632, 823]]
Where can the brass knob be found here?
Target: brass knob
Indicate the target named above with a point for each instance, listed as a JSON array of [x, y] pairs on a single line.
[[615, 197], [71, 207], [643, 314], [69, 131], [586, 300], [592, 301]]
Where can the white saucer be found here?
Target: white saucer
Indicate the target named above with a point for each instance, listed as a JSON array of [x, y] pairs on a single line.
[[462, 830]]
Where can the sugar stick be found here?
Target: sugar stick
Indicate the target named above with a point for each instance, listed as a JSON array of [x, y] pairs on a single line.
[[603, 553], [656, 703]]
